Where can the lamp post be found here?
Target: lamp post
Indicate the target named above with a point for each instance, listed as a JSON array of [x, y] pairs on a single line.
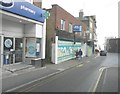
[[74, 38], [76, 28], [87, 32]]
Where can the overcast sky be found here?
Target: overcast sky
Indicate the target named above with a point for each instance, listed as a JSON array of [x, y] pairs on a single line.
[[106, 12]]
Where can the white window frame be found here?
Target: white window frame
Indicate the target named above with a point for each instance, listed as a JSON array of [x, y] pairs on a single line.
[[70, 28], [62, 24]]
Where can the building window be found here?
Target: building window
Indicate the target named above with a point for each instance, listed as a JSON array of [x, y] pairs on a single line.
[[18, 49], [62, 24], [70, 28], [33, 46]]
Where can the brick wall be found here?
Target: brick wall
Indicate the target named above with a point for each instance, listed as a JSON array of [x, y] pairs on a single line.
[[114, 45], [53, 24], [63, 14], [37, 3]]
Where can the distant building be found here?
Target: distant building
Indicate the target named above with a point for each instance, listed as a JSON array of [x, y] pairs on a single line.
[[113, 45], [90, 33]]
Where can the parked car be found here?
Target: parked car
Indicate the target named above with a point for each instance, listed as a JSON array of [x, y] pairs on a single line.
[[103, 53]]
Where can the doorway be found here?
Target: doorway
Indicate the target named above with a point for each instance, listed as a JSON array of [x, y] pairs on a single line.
[[13, 50], [18, 49]]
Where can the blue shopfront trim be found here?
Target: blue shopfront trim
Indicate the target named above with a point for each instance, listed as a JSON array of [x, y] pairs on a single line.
[[23, 8]]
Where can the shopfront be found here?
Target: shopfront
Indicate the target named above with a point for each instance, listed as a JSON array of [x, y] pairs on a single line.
[[22, 37], [13, 50]]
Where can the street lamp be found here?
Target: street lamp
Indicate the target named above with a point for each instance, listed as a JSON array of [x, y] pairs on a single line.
[[87, 32], [74, 38]]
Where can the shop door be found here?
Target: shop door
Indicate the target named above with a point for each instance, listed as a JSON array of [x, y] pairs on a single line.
[[8, 50], [18, 49]]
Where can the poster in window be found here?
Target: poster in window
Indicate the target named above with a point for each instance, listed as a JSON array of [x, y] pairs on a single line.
[[31, 48]]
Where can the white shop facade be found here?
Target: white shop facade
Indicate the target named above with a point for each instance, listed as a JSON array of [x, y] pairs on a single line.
[[22, 33]]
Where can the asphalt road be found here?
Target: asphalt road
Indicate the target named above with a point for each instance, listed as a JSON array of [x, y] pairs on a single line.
[[109, 78], [87, 77], [25, 77], [94, 75]]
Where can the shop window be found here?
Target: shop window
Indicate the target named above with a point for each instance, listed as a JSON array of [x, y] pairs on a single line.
[[33, 46], [18, 49], [70, 28]]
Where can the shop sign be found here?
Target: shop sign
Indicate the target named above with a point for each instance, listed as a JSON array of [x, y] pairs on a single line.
[[77, 28], [23, 8], [8, 43]]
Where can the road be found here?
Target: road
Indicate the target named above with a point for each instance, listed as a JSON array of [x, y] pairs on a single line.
[[91, 76]]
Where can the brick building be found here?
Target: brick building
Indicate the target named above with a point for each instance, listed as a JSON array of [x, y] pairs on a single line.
[[60, 23], [89, 24]]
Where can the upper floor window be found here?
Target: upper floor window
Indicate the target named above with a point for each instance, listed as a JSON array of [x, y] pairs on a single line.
[[62, 24], [70, 28]]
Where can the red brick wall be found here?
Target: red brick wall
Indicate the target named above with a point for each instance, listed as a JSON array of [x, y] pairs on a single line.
[[37, 3], [63, 14], [53, 22]]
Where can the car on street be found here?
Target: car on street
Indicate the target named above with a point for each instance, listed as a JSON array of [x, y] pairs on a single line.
[[103, 53]]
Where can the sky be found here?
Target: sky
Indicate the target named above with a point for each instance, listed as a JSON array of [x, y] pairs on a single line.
[[106, 12]]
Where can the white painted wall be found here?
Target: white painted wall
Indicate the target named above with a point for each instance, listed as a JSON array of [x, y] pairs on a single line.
[[55, 51], [43, 40], [40, 30], [33, 30], [12, 29], [30, 30]]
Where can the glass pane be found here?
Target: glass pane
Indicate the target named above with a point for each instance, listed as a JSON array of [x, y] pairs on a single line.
[[38, 47], [8, 46], [30, 47], [18, 49]]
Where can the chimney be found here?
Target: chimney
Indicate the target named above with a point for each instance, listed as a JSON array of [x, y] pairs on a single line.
[[38, 3], [81, 13]]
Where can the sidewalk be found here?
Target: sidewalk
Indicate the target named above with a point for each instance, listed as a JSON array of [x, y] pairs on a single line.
[[14, 80], [8, 70]]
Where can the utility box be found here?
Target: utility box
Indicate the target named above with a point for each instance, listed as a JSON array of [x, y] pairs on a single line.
[[36, 62]]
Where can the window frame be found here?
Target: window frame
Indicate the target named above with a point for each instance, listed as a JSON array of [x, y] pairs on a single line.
[[62, 24], [70, 27]]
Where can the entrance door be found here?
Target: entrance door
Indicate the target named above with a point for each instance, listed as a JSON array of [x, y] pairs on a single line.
[[8, 50], [18, 49]]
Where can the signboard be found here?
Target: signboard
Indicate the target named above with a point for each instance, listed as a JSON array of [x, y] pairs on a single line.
[[66, 50], [77, 28], [23, 8]]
